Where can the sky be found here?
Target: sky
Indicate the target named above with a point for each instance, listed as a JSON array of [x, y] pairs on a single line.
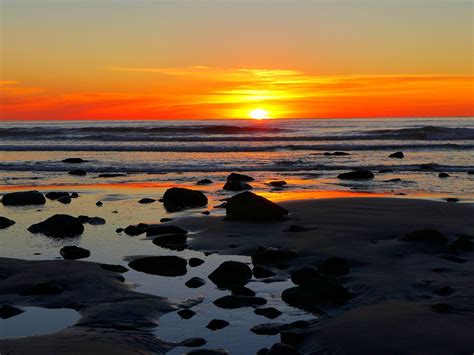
[[198, 59]]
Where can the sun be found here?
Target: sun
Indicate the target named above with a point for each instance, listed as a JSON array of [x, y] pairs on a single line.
[[259, 114]]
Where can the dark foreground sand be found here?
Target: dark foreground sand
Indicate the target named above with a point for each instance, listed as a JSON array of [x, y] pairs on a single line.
[[396, 308]]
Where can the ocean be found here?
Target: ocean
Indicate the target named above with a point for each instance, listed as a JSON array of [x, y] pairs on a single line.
[[183, 151]]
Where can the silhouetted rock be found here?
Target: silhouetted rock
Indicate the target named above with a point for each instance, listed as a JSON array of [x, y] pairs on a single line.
[[242, 291], [96, 221], [77, 172], [356, 175], [233, 301], [177, 199], [164, 220], [397, 155], [186, 313], [303, 275], [204, 182], [164, 229], [146, 200], [231, 274], [111, 175], [463, 243], [207, 213], [282, 349], [73, 252], [64, 200], [6, 222], [7, 311], [271, 255], [336, 154], [170, 240], [23, 198], [277, 183], [334, 266], [74, 160], [251, 207], [269, 312], [235, 185], [59, 226], [195, 282], [217, 324], [259, 272], [193, 342], [470, 172], [268, 328], [425, 235], [239, 177], [54, 195], [44, 288], [452, 199], [193, 262], [134, 230], [167, 265], [114, 268], [443, 175], [99, 203]]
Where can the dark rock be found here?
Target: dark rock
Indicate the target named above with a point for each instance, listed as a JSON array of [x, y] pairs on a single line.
[[384, 171], [278, 183], [78, 172], [453, 258], [233, 185], [393, 180], [23, 198], [321, 290], [96, 221], [74, 160], [99, 203], [146, 200], [269, 312], [7, 311], [263, 351], [119, 230], [59, 226], [164, 229], [217, 324], [44, 288], [463, 243], [64, 200], [470, 172], [295, 228], [231, 274], [259, 272], [134, 230], [6, 222], [445, 291], [170, 240], [443, 175], [193, 342], [239, 177], [268, 328], [111, 175], [54, 195], [334, 266], [425, 235], [336, 153], [452, 199], [251, 207], [428, 166], [114, 268], [282, 349], [186, 313], [303, 275], [178, 199], [195, 282], [207, 213], [397, 155], [242, 291], [233, 301], [83, 219], [356, 175], [164, 220], [271, 255], [167, 265], [73, 252], [204, 182], [73, 195], [193, 262]]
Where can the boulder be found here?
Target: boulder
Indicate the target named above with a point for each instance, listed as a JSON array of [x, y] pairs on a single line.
[[204, 182], [99, 203], [397, 155], [54, 195], [64, 200], [259, 272], [23, 198], [73, 252], [231, 274], [193, 262], [74, 160], [278, 183], [167, 265], [217, 324], [96, 221], [235, 185], [268, 328], [425, 235], [242, 291], [135, 230], [7, 311], [77, 172], [6, 222], [463, 243], [337, 154], [178, 199], [233, 301], [334, 266], [164, 229], [59, 226], [111, 175], [265, 256], [304, 275], [239, 177], [186, 313], [146, 200], [170, 240], [443, 175], [248, 206], [195, 282], [356, 175], [269, 312]]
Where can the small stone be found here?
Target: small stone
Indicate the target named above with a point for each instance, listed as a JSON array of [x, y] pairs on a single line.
[[217, 324], [146, 200], [195, 282], [259, 272], [193, 262], [269, 312], [73, 252], [443, 175], [186, 313]]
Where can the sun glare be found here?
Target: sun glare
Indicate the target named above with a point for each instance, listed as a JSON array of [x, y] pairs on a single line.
[[258, 114]]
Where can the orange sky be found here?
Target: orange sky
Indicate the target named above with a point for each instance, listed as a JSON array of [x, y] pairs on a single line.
[[76, 59]]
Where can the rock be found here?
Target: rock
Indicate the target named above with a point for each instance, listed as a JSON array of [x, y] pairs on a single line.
[[393, 180], [134, 230], [268, 328], [282, 349], [195, 282], [171, 240], [164, 220], [443, 175], [146, 200], [445, 291], [233, 301], [452, 199], [167, 265], [96, 221], [164, 229], [111, 175], [54, 195], [265, 256], [470, 172], [119, 230], [73, 195], [277, 183], [207, 213], [177, 199], [44, 288], [6, 222], [74, 160], [304, 275], [259, 272], [321, 290], [336, 153], [295, 229], [397, 155], [77, 172], [73, 252], [7, 311], [208, 352], [186, 313], [269, 312], [463, 243], [64, 200], [239, 177], [193, 342], [236, 186], [59, 226], [242, 291], [23, 198], [83, 219], [217, 324], [263, 351], [248, 206], [231, 274], [204, 182], [356, 175], [114, 268], [193, 262], [334, 266], [425, 235], [99, 203]]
